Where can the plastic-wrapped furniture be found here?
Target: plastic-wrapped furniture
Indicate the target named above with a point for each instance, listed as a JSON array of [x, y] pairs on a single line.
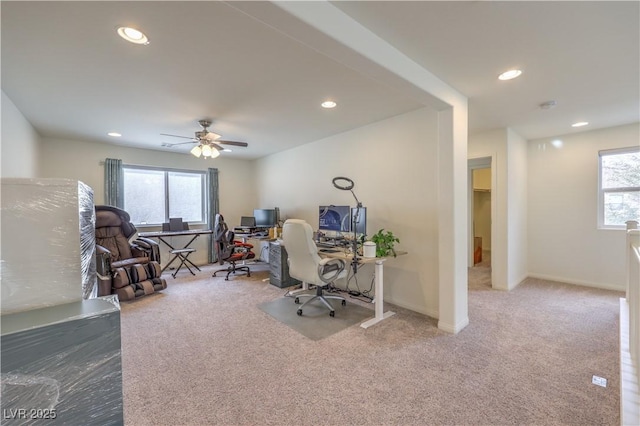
[[229, 250], [125, 266]]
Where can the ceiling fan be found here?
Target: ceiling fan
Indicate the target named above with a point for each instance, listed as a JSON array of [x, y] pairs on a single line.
[[209, 143]]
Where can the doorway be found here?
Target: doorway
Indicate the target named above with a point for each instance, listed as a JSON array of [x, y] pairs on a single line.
[[481, 181], [481, 208]]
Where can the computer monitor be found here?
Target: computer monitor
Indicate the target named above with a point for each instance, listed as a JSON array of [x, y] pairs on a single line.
[[334, 218], [361, 220], [265, 218], [248, 221]]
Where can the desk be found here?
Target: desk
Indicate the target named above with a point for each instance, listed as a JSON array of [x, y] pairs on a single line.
[[260, 238], [161, 235], [379, 282]]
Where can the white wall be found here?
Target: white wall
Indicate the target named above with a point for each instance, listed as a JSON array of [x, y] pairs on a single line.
[[80, 160], [517, 208], [394, 166], [481, 226], [564, 242], [19, 145], [482, 217]]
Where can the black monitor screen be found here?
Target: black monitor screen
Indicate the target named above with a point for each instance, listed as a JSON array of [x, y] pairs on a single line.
[[265, 217], [248, 221], [361, 219], [334, 218]]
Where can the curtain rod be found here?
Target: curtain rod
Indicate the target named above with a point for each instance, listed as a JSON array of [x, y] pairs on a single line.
[[142, 166]]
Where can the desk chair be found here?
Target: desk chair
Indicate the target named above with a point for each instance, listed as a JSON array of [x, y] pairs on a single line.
[[305, 264], [229, 250]]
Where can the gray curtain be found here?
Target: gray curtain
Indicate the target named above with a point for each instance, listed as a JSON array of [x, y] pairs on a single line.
[[113, 183], [214, 207]]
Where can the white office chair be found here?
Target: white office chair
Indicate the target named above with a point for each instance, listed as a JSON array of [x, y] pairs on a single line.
[[307, 266]]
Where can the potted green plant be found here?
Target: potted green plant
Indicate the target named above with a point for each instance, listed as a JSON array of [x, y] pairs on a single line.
[[385, 243]]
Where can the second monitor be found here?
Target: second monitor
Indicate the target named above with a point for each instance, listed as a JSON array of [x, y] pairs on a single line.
[[339, 218], [265, 218]]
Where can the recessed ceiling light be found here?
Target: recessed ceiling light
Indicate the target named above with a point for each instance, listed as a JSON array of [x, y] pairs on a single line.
[[114, 134], [227, 150], [508, 75], [328, 104], [580, 124], [132, 35]]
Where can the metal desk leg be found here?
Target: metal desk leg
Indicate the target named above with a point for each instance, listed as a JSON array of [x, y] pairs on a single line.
[[379, 299]]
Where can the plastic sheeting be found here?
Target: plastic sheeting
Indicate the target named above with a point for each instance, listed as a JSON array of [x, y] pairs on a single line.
[[48, 243], [62, 365]]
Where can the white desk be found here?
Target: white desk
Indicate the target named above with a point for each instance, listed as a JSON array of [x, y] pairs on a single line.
[[379, 282], [261, 240]]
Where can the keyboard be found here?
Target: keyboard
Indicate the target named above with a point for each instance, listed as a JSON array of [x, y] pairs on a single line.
[[242, 230], [325, 245]]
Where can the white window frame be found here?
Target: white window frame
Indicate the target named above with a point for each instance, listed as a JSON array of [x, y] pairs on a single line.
[[602, 192], [204, 196]]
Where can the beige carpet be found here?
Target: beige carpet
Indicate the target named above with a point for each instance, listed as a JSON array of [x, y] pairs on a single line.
[[202, 352]]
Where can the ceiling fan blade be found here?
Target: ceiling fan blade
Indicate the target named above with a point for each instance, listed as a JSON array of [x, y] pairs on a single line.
[[176, 136], [216, 146], [169, 145], [234, 143]]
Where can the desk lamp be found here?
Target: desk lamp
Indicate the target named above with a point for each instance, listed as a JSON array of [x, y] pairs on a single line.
[[346, 184]]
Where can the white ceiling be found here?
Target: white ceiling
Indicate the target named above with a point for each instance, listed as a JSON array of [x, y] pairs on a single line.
[[249, 66]]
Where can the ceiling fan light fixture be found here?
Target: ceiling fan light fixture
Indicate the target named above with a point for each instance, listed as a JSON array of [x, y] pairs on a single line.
[[132, 35], [197, 151], [207, 150], [214, 153]]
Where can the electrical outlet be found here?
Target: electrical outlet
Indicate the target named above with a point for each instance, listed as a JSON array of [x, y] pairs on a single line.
[[600, 381]]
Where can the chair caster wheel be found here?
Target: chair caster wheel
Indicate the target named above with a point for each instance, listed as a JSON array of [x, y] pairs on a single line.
[[300, 312], [332, 313], [344, 303], [297, 300]]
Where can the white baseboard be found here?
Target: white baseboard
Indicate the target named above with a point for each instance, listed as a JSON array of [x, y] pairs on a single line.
[[604, 286], [415, 308], [453, 329], [518, 282], [629, 390]]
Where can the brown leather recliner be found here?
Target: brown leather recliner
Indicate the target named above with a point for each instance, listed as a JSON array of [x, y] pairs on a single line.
[[128, 269]]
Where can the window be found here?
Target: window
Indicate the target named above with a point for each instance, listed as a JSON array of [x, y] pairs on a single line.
[[153, 195], [619, 189]]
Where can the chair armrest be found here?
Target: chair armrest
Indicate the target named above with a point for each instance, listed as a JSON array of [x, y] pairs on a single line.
[[146, 242], [330, 268], [148, 247], [103, 261]]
